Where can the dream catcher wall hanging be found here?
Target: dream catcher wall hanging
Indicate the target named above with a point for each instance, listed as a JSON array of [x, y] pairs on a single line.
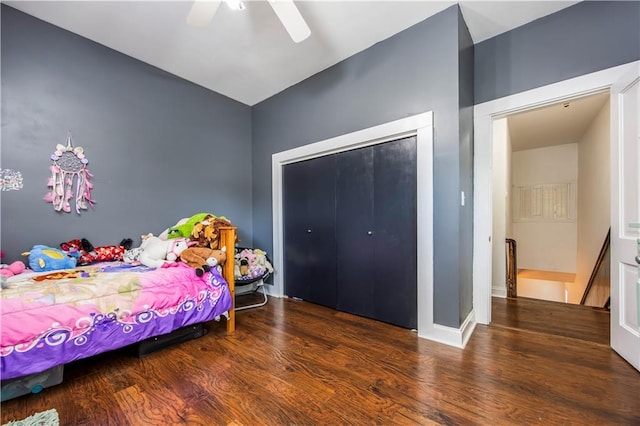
[[69, 169]]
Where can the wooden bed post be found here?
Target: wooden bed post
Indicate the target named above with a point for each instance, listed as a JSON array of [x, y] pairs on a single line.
[[228, 240]]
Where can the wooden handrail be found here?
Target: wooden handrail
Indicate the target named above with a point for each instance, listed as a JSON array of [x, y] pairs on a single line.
[[512, 268], [596, 267]]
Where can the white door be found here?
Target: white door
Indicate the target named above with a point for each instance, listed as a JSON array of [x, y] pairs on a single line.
[[625, 210]]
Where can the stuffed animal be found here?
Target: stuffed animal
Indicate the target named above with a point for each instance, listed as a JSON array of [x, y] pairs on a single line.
[[132, 255], [202, 259], [15, 268], [261, 260], [157, 252], [251, 263], [45, 258], [176, 247], [207, 232], [87, 253], [244, 267], [247, 254], [183, 228]]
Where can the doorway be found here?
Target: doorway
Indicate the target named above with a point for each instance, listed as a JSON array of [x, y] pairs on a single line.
[[484, 116], [623, 83], [551, 200]]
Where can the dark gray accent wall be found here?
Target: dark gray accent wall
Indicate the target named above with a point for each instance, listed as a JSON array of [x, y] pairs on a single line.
[[410, 73], [160, 148], [465, 100], [587, 37]]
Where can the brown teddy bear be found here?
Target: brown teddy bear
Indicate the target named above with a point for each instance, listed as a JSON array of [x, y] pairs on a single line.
[[202, 259], [206, 233]]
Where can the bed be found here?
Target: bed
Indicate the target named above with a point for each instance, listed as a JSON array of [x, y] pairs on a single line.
[[89, 310]]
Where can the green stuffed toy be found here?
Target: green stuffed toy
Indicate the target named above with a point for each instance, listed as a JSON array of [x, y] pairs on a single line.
[[184, 227]]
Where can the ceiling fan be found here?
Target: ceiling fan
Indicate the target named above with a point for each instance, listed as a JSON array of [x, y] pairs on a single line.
[[203, 11]]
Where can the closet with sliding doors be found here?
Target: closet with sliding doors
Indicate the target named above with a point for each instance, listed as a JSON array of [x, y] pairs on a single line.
[[350, 231]]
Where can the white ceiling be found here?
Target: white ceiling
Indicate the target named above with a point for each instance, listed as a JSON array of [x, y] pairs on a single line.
[[557, 124], [247, 55]]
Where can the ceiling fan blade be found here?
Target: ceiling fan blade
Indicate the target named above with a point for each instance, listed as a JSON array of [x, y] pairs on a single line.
[[291, 19], [202, 12]]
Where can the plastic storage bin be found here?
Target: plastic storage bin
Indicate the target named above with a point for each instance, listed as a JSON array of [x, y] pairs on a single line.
[[33, 383]]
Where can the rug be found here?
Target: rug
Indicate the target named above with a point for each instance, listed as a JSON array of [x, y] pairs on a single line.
[[45, 418]]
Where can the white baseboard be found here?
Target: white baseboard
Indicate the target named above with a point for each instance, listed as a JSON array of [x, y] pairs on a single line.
[[499, 292], [457, 337], [467, 327], [272, 291]]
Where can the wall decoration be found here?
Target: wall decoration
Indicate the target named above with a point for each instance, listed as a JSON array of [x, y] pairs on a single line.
[[10, 180], [69, 168]]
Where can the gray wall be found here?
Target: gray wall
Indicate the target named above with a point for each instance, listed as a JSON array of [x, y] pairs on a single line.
[[581, 39], [410, 73], [152, 138], [160, 148], [465, 101]]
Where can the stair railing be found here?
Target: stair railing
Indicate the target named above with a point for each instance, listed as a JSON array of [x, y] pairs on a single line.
[[512, 268], [596, 269]]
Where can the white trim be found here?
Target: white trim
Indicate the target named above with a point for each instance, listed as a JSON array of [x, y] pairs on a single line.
[[499, 292], [457, 337], [467, 327], [484, 114], [424, 229], [361, 138], [421, 126]]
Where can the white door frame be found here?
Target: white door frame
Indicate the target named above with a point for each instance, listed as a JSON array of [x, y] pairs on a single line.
[[421, 126], [484, 114]]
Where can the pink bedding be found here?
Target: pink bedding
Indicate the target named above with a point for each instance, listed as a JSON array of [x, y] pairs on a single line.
[[46, 323]]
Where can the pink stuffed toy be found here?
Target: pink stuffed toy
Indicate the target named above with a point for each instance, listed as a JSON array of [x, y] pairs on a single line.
[[249, 255], [15, 268]]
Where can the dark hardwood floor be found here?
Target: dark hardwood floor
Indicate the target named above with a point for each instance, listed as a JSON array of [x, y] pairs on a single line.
[[295, 363]]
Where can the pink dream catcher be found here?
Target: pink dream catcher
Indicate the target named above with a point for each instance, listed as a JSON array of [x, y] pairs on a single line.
[[69, 167]]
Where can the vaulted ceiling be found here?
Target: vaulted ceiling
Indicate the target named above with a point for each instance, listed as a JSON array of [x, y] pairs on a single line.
[[247, 55]]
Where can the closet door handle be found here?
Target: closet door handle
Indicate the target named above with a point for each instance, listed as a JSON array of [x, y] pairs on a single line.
[[308, 231], [369, 232]]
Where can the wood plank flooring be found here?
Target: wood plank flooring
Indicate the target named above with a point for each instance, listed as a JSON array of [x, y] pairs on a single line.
[[560, 319], [295, 363]]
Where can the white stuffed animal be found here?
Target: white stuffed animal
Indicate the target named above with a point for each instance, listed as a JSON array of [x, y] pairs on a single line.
[[261, 260], [132, 255], [157, 252]]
